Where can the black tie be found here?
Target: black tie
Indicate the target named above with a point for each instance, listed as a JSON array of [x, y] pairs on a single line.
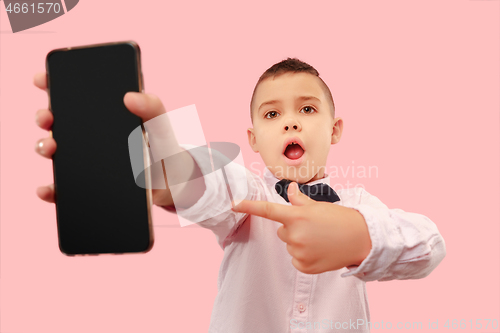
[[318, 192]]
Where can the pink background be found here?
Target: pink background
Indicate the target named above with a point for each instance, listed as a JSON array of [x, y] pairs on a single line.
[[416, 82]]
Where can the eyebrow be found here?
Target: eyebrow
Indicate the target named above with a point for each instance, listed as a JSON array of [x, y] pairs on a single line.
[[301, 98]]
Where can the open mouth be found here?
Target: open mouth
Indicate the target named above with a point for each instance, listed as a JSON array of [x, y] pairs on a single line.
[[293, 149]]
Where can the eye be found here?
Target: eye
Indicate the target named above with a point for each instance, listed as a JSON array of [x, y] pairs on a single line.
[[266, 115], [310, 109]]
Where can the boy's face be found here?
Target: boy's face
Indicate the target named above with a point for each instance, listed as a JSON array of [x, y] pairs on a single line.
[[289, 116]]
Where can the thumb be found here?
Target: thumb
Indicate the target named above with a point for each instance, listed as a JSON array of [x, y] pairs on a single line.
[[296, 197], [146, 106], [161, 138], [161, 135]]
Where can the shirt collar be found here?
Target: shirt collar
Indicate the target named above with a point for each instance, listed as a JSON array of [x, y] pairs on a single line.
[[271, 180]]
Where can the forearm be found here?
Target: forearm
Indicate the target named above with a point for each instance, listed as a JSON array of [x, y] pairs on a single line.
[[404, 245], [213, 209]]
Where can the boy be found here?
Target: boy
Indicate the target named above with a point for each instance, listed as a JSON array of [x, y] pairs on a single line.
[[292, 263]]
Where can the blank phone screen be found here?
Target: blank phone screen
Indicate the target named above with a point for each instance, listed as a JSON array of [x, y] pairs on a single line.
[[99, 207]]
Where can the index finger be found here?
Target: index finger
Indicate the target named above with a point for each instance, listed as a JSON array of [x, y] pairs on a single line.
[[269, 210], [40, 80]]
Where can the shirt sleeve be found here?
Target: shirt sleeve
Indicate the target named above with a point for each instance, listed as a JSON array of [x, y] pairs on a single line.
[[404, 245], [213, 209]]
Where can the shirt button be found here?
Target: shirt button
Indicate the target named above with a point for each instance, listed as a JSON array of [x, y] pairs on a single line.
[[301, 307]]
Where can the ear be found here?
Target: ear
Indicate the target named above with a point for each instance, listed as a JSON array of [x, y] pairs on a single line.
[[338, 126], [252, 140]]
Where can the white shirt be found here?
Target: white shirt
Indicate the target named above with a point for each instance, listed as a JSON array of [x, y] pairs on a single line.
[[259, 290]]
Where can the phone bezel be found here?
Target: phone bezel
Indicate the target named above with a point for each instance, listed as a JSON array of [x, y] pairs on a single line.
[[149, 194]]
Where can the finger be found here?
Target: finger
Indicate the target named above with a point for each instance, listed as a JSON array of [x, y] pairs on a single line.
[[299, 255], [296, 197], [46, 193], [282, 234], [297, 264], [146, 106], [307, 269], [44, 119], [46, 147], [161, 135], [269, 210], [40, 80]]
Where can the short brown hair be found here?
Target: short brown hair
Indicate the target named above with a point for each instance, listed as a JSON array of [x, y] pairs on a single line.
[[293, 65]]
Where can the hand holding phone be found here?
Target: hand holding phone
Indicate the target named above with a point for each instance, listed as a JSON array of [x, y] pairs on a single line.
[[98, 205], [99, 208], [47, 146]]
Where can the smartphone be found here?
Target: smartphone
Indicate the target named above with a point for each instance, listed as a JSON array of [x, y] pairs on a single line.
[[99, 207]]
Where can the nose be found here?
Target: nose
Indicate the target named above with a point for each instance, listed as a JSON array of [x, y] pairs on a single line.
[[292, 123]]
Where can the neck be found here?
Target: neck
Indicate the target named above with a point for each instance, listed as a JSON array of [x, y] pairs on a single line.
[[319, 175]]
